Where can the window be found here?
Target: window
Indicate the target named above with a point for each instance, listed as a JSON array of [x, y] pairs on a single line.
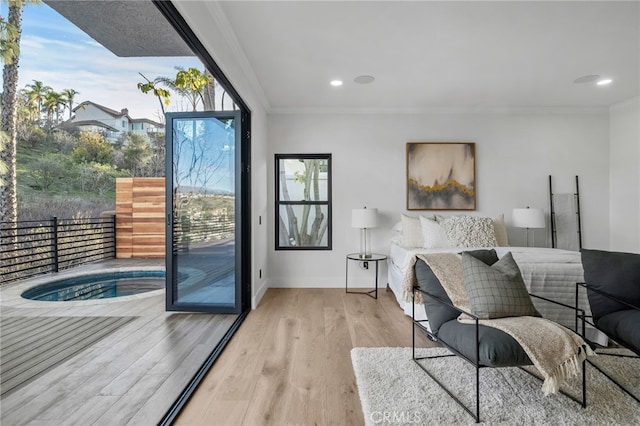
[[303, 201]]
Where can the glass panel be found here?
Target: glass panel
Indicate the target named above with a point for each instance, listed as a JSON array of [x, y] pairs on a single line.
[[204, 211], [303, 179], [303, 226]]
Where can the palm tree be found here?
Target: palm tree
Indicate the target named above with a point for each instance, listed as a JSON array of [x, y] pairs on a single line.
[[30, 103], [190, 83], [53, 103], [11, 31], [163, 95], [3, 167], [70, 94], [36, 93]]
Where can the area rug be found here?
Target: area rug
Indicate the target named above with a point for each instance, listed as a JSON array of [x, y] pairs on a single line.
[[395, 391]]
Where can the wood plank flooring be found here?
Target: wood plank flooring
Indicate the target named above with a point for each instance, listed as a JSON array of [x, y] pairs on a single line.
[[290, 362], [129, 377]]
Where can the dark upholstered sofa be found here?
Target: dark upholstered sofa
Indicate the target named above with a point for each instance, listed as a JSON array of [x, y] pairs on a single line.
[[612, 280], [480, 345], [497, 348]]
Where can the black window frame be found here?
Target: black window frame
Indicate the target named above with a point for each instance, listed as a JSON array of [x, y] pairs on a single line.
[[279, 202]]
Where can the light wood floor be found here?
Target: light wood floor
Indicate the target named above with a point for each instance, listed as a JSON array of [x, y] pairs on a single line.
[[290, 363]]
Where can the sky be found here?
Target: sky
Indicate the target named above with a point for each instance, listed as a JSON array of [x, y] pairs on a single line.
[[54, 51]]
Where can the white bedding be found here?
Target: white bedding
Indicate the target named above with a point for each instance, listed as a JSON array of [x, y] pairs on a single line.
[[550, 273]]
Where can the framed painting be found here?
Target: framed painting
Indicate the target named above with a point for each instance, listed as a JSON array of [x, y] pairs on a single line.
[[441, 176]]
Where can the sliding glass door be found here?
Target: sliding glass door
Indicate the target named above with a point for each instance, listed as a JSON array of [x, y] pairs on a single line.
[[204, 262]]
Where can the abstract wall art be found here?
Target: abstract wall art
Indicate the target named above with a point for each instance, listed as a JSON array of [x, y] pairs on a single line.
[[441, 176]]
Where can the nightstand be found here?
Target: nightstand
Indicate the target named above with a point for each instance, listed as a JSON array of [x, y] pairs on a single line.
[[375, 258]]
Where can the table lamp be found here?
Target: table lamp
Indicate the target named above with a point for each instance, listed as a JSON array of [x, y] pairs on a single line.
[[528, 218], [364, 219]]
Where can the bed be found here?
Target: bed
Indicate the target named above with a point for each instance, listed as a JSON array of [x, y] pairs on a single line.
[[551, 273]]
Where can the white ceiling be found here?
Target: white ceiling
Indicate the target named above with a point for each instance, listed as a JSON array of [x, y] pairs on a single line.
[[429, 55]]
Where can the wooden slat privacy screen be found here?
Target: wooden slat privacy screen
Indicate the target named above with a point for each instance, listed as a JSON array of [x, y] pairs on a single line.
[[140, 217]]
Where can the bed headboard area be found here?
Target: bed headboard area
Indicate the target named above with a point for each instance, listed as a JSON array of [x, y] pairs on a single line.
[[435, 231]]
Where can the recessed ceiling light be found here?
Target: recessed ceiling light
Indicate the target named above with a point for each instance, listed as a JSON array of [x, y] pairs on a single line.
[[604, 81], [586, 79], [364, 79], [336, 83]]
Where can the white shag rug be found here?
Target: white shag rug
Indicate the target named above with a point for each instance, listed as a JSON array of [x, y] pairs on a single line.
[[395, 391]]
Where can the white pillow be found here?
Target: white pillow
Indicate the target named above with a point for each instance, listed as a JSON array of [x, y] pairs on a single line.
[[470, 231], [396, 233], [433, 234], [500, 231], [411, 231]]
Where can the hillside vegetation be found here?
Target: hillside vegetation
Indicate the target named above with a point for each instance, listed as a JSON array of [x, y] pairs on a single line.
[[72, 174]]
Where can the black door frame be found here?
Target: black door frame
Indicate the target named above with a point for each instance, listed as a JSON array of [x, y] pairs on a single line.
[[171, 287], [174, 18], [172, 15]]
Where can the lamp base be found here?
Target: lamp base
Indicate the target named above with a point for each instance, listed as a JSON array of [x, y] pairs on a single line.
[[365, 250]]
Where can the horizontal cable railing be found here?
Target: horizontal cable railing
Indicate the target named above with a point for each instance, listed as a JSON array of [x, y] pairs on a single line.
[[189, 232], [29, 248]]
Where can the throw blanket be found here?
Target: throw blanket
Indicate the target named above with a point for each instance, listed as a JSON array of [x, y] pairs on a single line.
[[558, 359]]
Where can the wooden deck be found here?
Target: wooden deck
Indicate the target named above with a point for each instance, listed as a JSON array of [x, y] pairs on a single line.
[[129, 375]]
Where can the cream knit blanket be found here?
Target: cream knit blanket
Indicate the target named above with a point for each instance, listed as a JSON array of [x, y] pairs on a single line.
[[558, 359]]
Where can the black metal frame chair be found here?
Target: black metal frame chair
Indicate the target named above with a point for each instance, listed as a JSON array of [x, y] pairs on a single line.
[[420, 324], [581, 314]]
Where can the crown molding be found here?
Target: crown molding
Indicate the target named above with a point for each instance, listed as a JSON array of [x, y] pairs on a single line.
[[625, 105], [445, 110]]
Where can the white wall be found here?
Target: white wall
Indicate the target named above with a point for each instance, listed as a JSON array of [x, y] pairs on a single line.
[[214, 33], [515, 153], [624, 176]]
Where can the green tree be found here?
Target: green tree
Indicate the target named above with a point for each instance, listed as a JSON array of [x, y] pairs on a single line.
[[65, 141], [36, 93], [163, 95], [102, 178], [136, 154], [10, 32], [48, 170], [92, 147], [157, 160], [53, 103], [69, 95], [190, 84]]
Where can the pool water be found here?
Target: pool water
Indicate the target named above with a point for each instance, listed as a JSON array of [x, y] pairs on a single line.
[[98, 286]]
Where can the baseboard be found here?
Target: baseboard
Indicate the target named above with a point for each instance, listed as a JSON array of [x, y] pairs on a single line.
[[257, 297], [324, 283]]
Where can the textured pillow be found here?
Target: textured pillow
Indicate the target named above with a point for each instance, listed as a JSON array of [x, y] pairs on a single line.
[[500, 231], [614, 273], [432, 234], [469, 231], [496, 291], [411, 231]]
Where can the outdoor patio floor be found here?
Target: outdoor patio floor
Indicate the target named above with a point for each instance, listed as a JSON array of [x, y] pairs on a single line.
[[130, 375]]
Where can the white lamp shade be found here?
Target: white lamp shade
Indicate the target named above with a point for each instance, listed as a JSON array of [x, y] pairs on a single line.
[[364, 218], [528, 218]]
